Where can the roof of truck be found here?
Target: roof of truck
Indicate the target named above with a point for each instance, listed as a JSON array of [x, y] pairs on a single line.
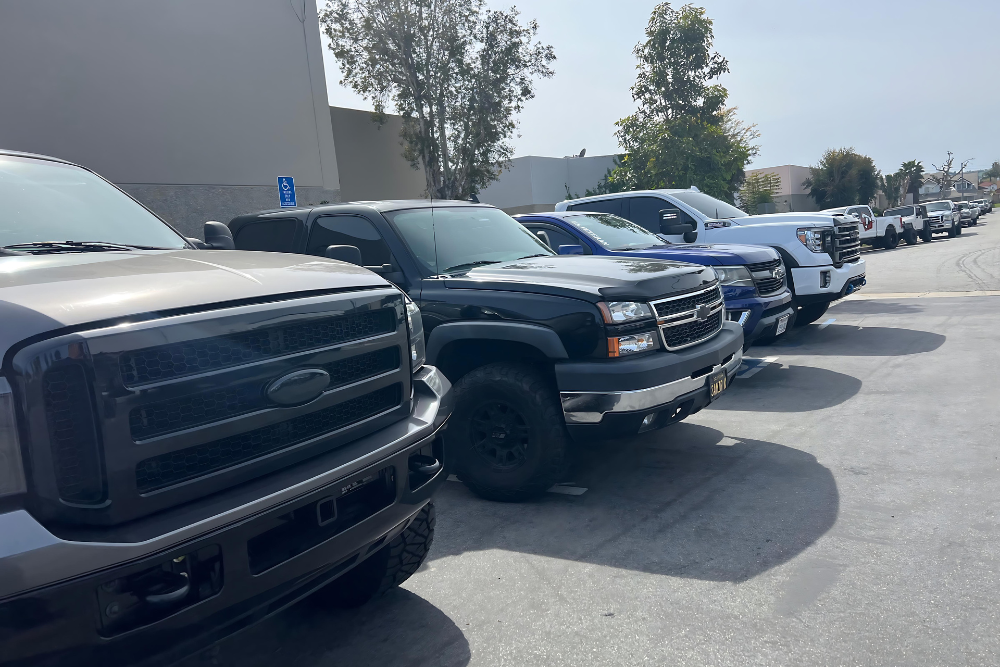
[[36, 156]]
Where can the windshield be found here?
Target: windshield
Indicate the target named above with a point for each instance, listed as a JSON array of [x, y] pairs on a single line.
[[709, 206], [42, 201], [613, 232], [456, 239], [939, 206]]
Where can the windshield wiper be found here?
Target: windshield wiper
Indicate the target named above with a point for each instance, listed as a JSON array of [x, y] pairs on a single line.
[[74, 246], [541, 254], [468, 265]]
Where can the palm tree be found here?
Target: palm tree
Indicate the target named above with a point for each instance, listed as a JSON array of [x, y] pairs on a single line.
[[912, 174]]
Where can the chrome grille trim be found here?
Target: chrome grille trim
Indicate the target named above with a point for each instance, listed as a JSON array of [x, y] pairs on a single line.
[[710, 297]]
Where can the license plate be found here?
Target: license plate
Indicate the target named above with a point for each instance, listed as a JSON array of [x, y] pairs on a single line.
[[782, 325], [717, 383]]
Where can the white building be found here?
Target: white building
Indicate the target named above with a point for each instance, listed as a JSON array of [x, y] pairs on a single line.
[[792, 195]]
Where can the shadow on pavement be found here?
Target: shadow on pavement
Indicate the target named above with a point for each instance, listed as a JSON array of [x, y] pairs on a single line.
[[877, 307], [399, 628], [853, 341], [683, 502], [789, 389]]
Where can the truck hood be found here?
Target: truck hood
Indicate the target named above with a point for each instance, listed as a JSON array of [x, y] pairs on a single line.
[[813, 219], [592, 278], [716, 254], [43, 293]]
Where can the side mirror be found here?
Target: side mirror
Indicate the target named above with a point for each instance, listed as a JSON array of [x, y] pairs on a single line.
[[543, 236], [571, 250], [690, 237], [344, 253], [218, 236], [670, 222]]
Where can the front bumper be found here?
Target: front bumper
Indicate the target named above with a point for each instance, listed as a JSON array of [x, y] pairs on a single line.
[[759, 315], [602, 411], [808, 281], [265, 555]]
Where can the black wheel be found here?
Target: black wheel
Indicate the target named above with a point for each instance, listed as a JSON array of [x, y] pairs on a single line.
[[809, 314], [891, 238], [958, 229], [386, 568], [955, 230], [507, 436], [926, 234], [910, 236]]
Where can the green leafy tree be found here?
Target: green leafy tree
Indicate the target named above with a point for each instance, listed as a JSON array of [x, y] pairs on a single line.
[[758, 188], [843, 177], [891, 186], [682, 133], [993, 173], [912, 173], [458, 73]]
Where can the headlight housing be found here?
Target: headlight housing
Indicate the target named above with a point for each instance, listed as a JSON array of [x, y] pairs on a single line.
[[11, 468], [415, 327], [620, 346], [621, 312], [811, 238], [734, 276]]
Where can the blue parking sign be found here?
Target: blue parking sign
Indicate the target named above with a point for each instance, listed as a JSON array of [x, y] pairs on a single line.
[[286, 191]]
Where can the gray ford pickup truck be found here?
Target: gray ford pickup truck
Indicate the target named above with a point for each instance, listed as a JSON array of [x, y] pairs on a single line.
[[192, 440]]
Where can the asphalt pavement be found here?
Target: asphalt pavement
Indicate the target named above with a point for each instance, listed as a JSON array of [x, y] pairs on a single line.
[[837, 506]]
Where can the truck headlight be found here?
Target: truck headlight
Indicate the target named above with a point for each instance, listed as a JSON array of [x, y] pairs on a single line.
[[811, 238], [415, 327], [11, 468], [619, 346], [619, 312], [734, 276]]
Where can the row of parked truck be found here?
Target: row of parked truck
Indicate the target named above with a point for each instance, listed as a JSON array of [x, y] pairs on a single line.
[[196, 433], [915, 221]]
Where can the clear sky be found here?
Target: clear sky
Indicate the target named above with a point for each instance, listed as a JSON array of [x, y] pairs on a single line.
[[895, 79]]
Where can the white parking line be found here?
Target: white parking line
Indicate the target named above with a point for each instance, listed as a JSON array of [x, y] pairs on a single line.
[[828, 323], [751, 366]]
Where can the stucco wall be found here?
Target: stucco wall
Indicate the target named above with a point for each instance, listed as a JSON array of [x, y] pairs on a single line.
[[196, 105], [370, 158], [534, 183]]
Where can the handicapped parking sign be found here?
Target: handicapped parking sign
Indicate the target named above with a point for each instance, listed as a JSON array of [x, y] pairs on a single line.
[[286, 191]]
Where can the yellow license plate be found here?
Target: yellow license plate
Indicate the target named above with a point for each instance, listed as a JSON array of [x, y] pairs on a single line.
[[717, 383]]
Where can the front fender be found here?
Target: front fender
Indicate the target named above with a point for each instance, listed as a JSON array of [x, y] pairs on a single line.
[[546, 340]]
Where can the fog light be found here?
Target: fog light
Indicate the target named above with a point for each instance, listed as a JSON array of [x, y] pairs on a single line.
[[824, 279], [620, 346], [648, 419]]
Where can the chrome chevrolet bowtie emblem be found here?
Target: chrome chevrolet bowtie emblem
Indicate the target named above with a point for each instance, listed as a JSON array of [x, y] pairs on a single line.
[[778, 273], [702, 312]]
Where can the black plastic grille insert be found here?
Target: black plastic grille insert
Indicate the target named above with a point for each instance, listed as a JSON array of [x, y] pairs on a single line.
[[177, 414], [691, 332], [76, 452], [163, 362], [174, 467], [682, 305]]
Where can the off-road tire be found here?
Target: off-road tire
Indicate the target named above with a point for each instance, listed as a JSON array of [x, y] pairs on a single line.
[[530, 399], [809, 314], [958, 229], [910, 236], [386, 568], [955, 230], [891, 239], [926, 234]]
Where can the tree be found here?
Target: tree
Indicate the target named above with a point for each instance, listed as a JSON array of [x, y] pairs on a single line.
[[842, 178], [457, 72], [682, 133], [892, 186], [759, 188], [993, 172], [945, 178]]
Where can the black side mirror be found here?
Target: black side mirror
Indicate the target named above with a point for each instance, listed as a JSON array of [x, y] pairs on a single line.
[[670, 223], [690, 237], [344, 253], [218, 236]]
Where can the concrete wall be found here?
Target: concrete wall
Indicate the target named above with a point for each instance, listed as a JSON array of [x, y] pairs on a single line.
[[194, 106], [792, 195], [531, 183], [371, 160]]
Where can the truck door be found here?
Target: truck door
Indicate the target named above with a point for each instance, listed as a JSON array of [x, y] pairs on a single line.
[[663, 217]]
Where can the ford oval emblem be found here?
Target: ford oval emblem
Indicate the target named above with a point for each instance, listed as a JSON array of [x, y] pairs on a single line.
[[298, 387]]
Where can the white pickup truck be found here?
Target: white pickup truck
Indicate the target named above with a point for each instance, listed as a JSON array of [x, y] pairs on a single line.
[[821, 251], [880, 232]]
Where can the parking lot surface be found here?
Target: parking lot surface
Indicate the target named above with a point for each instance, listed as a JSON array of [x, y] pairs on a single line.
[[837, 506]]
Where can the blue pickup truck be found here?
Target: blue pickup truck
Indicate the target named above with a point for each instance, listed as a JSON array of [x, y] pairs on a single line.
[[752, 277]]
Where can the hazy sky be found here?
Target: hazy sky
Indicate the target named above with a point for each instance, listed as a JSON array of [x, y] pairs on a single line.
[[895, 79]]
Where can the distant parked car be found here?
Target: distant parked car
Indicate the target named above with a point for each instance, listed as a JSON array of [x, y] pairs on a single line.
[[968, 213], [914, 216], [878, 231], [943, 215]]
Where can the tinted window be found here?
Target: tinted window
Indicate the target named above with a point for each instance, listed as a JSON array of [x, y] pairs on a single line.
[[902, 211], [450, 239], [645, 212], [709, 206], [615, 233], [557, 237], [268, 235], [349, 230], [613, 206], [48, 201]]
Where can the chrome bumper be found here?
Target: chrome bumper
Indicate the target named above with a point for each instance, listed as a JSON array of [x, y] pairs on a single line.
[[590, 407]]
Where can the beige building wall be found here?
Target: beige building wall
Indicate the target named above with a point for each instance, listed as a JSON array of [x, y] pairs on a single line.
[[792, 196]]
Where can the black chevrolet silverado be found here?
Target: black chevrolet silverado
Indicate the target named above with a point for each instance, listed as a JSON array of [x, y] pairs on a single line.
[[191, 440], [542, 348]]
